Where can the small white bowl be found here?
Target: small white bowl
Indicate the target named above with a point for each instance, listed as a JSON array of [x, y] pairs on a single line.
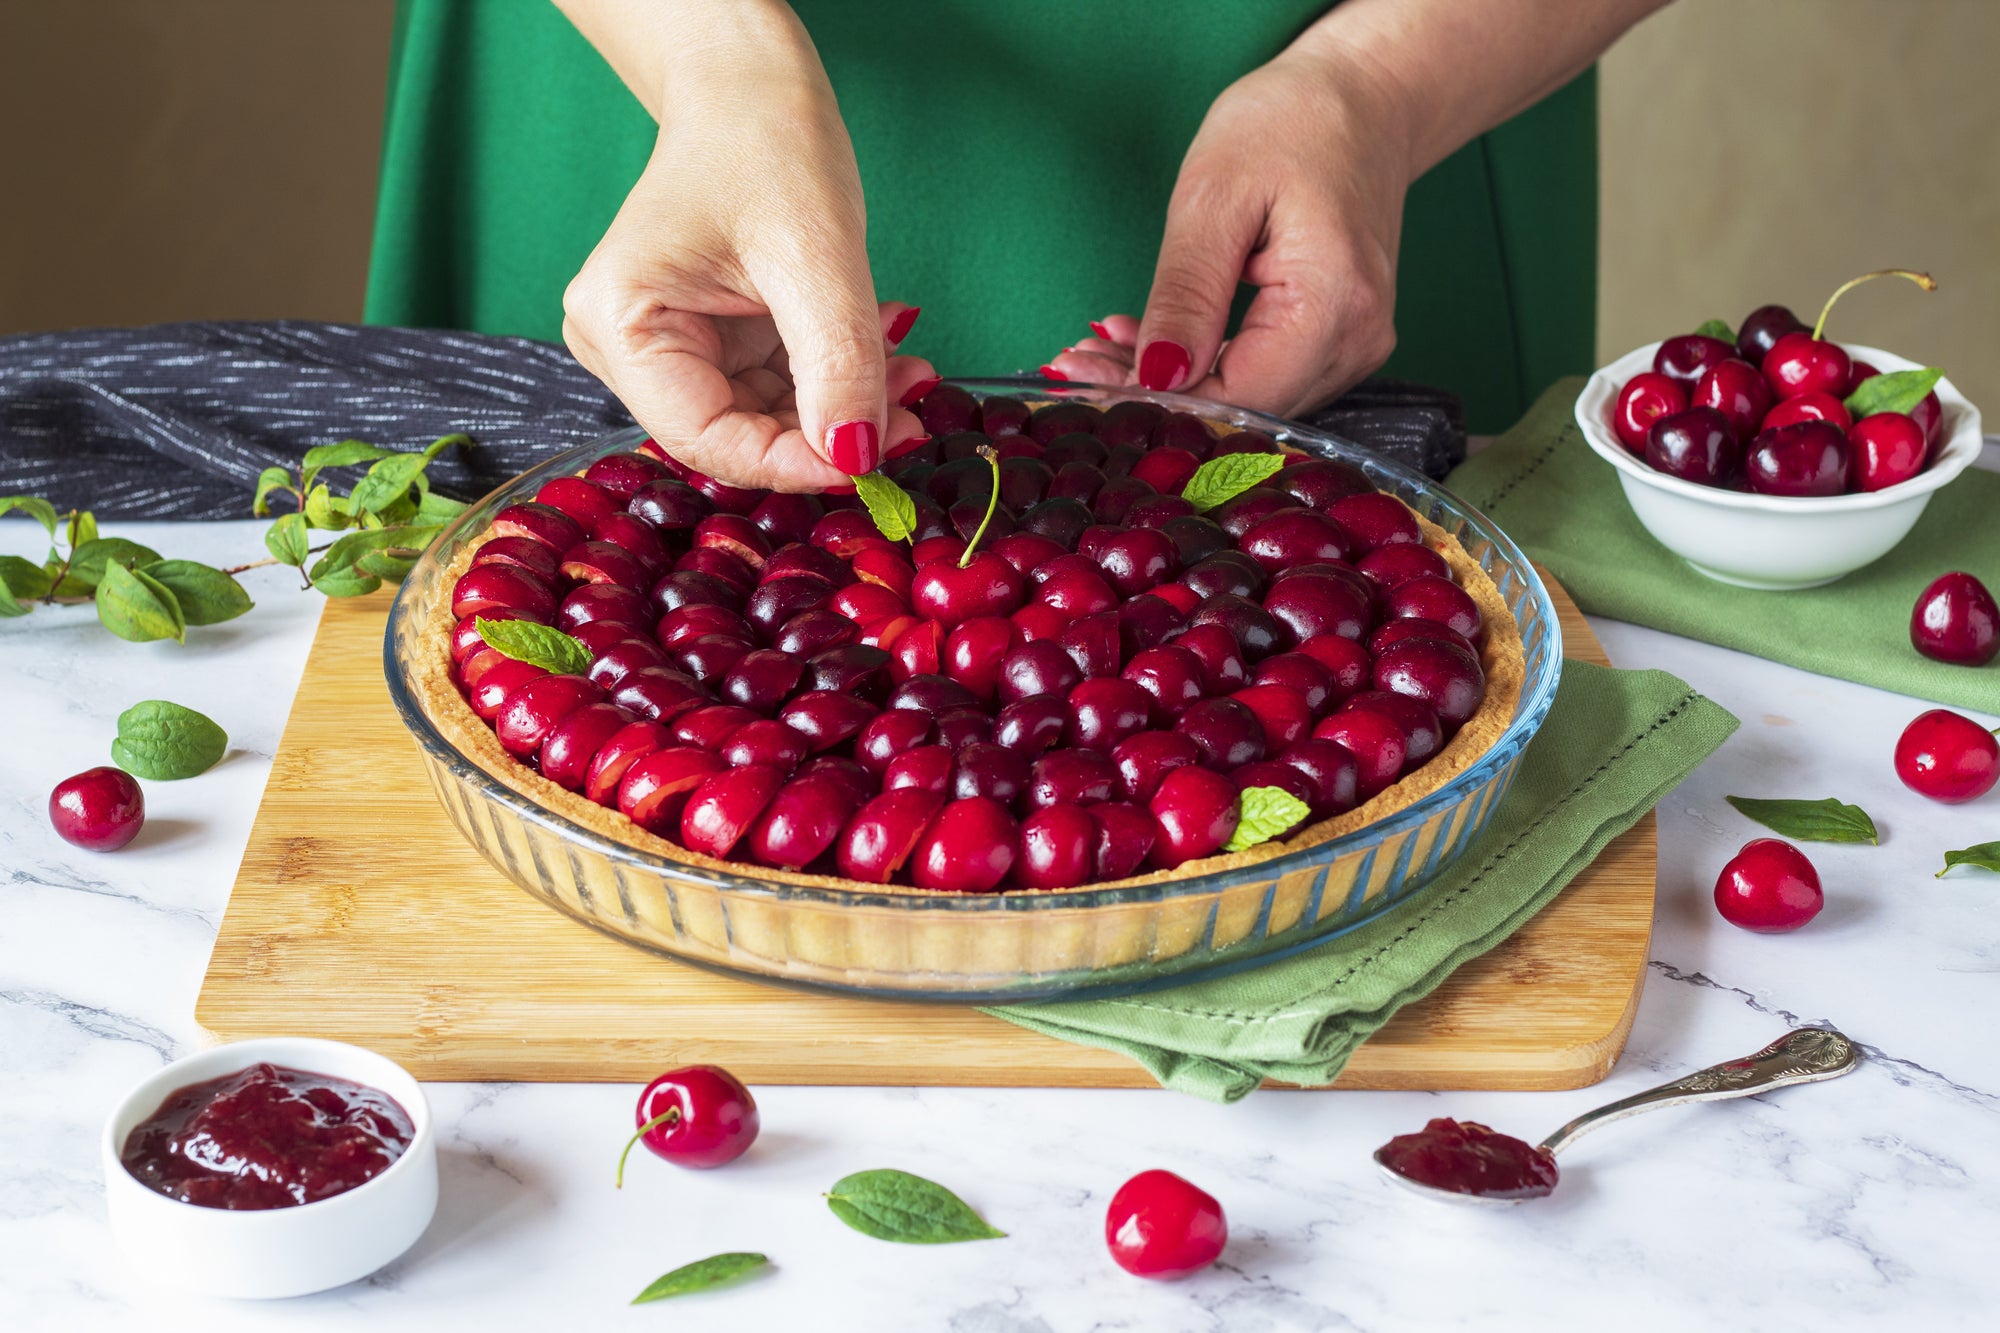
[[273, 1252], [1774, 541]]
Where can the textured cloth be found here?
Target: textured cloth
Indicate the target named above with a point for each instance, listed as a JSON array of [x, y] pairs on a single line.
[[1564, 506], [1614, 743], [177, 420], [1016, 157]]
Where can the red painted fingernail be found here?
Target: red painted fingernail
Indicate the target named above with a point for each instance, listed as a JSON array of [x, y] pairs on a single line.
[[914, 442], [1163, 365], [1097, 327], [899, 327], [1051, 373], [853, 447], [837, 490], [915, 393]]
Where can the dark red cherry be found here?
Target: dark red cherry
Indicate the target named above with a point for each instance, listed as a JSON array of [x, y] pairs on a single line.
[[859, 784], [1388, 566], [1105, 710], [1166, 470], [709, 727], [814, 631], [1762, 328], [730, 570], [1799, 363], [699, 1116], [485, 588], [1030, 726], [584, 501], [626, 747], [1125, 837], [1644, 399], [801, 822], [1435, 599], [777, 600], [1024, 483], [1330, 770], [496, 685], [708, 657], [1810, 458], [623, 474], [659, 694], [1242, 512], [1445, 677], [1246, 442], [1155, 510], [1223, 670], [1414, 627], [1956, 620], [1685, 359], [670, 505], [973, 652], [946, 409], [761, 680], [1375, 741], [1226, 732], [880, 836], [1145, 759], [1074, 447], [533, 711], [1115, 499], [545, 523], [521, 552], [765, 741], [1195, 812], [1256, 630], [1295, 670], [1423, 731], [804, 558], [1042, 667], [985, 586], [1061, 520], [1376, 520], [1076, 592], [1814, 406], [1026, 551], [1058, 848], [1129, 422], [566, 753], [735, 535], [621, 659], [927, 767], [960, 727], [1322, 482], [1294, 537], [826, 718], [931, 694], [1171, 676], [1093, 642], [1888, 447], [1769, 886], [1351, 665], [1271, 773], [1311, 605], [100, 809], [1282, 714], [1001, 415], [606, 601], [656, 788], [1074, 777], [1077, 480], [1136, 559], [891, 733], [1147, 622], [695, 588], [985, 769], [722, 809], [1196, 537], [1737, 390], [1226, 573], [968, 848], [917, 651], [1698, 445]]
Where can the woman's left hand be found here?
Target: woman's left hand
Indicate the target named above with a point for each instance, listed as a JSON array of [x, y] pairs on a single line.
[[1294, 184]]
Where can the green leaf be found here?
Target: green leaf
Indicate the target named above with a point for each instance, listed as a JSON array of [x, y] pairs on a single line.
[[87, 562], [700, 1275], [895, 1205], [345, 454], [894, 512], [539, 645], [9, 607], [347, 552], [438, 509], [344, 582], [23, 579], [287, 540], [207, 596], [270, 479], [1715, 328], [327, 511], [1264, 813], [1810, 821], [1895, 391], [1227, 477], [390, 478], [82, 528], [138, 607], [164, 742], [35, 507], [1986, 856]]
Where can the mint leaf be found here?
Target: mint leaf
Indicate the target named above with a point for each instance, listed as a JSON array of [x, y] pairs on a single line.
[[1810, 821], [894, 512], [139, 608], [88, 562], [895, 1205], [538, 645], [270, 479], [1895, 391], [700, 1275], [1985, 855], [1264, 813], [1715, 328], [1227, 477], [35, 507], [163, 741], [287, 540], [207, 596]]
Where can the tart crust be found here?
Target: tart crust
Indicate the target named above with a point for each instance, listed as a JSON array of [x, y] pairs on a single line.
[[1501, 656]]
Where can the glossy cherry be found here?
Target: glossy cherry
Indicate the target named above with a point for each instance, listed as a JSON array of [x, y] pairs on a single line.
[[1378, 745], [1646, 398], [1762, 328], [1889, 448], [985, 586], [1195, 810], [698, 1116], [1810, 458], [722, 809], [1125, 837], [1814, 406], [1947, 757], [100, 809], [1799, 363], [1698, 445], [1736, 389], [968, 847], [1685, 359], [1160, 1226], [1058, 848], [1769, 886], [1956, 620]]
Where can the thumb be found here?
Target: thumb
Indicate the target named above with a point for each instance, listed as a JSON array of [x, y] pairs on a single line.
[[825, 311], [1208, 238]]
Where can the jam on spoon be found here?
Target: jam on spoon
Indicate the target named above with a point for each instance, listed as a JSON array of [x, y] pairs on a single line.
[[267, 1137], [1465, 1157]]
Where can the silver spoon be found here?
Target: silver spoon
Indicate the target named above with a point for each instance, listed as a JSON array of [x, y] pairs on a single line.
[[1803, 1055]]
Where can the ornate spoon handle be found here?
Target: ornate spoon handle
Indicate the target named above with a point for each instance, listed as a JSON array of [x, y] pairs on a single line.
[[1803, 1055]]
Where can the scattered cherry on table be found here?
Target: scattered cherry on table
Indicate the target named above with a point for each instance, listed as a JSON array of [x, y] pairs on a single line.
[[1956, 620], [1947, 757], [100, 809], [1769, 887], [1160, 1226], [698, 1116]]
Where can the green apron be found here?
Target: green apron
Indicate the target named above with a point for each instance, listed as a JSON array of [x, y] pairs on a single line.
[[1016, 157]]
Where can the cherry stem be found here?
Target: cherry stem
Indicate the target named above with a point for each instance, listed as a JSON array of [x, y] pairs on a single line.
[[1923, 280], [992, 503], [670, 1116]]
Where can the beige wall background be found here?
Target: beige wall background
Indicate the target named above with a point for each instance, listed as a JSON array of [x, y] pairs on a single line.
[[216, 159]]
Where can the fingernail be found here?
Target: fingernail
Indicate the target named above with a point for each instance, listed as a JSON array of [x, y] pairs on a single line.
[[1051, 373], [899, 327], [853, 447], [1097, 327], [913, 443], [1163, 365], [837, 490], [915, 393]]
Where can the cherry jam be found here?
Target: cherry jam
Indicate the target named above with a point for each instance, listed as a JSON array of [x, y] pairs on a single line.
[[1468, 1158], [267, 1137]]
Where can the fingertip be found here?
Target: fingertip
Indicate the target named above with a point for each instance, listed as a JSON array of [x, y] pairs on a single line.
[[1164, 365], [902, 323], [854, 447]]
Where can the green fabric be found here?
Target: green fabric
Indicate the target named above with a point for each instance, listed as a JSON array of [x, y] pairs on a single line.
[[1614, 743], [1563, 505], [1017, 159]]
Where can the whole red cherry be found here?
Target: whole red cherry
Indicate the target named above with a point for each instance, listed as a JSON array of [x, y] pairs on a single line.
[[99, 810], [1160, 1226], [1799, 363], [699, 1116], [1956, 620], [1815, 406], [1737, 390], [1769, 887], [1947, 757], [1888, 448], [1810, 458], [1645, 399], [1690, 356], [1761, 328]]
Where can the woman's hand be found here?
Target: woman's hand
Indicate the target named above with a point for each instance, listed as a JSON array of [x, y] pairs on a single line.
[[729, 306], [1293, 184]]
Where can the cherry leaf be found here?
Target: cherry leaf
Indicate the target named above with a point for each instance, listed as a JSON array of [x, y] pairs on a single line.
[[1264, 813], [164, 742], [287, 540], [138, 608], [895, 1205], [270, 479], [1715, 328], [538, 645], [1227, 477], [894, 512], [34, 506], [206, 595], [701, 1275], [1896, 391], [1985, 855], [1810, 821]]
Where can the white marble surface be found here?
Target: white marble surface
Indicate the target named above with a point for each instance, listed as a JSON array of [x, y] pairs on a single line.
[[1868, 1203]]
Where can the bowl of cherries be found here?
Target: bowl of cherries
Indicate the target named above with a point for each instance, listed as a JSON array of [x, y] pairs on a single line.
[[1771, 457]]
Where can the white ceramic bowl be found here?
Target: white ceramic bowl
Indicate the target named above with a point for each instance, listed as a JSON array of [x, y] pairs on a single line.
[[1774, 541], [275, 1251]]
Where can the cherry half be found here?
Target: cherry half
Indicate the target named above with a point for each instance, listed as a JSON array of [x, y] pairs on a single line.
[[1947, 757]]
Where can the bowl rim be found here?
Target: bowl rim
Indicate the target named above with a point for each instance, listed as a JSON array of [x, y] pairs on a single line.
[[1537, 692], [1956, 452]]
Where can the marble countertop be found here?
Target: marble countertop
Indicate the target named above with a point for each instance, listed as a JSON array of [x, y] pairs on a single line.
[[1866, 1203]]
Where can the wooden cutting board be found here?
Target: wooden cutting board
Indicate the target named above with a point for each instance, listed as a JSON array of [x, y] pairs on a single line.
[[360, 914]]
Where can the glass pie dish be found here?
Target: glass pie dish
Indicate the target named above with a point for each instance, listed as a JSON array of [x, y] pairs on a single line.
[[979, 948]]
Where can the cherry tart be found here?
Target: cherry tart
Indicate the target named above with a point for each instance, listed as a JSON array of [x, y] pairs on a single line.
[[1070, 682]]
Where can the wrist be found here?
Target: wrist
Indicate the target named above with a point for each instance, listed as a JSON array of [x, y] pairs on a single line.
[[1363, 99], [722, 45]]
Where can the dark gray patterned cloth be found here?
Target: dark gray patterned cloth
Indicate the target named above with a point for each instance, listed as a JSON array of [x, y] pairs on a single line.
[[177, 420]]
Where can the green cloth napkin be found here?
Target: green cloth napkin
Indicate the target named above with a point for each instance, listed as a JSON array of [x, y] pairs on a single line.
[[1562, 503], [1614, 743]]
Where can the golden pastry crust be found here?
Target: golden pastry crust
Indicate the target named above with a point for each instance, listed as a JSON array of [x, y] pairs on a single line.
[[1501, 655]]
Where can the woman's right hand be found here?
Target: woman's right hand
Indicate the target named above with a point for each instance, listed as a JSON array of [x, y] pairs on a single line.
[[730, 306]]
